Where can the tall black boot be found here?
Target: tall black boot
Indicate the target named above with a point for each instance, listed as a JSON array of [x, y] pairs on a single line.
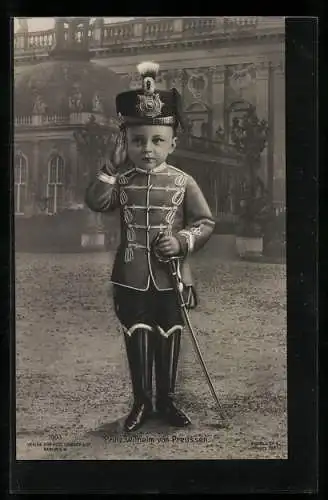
[[166, 363], [139, 341]]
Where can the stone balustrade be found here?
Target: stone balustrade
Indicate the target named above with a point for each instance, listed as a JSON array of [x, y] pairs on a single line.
[[58, 119], [143, 30], [41, 40], [113, 33], [186, 141], [41, 120], [23, 121]]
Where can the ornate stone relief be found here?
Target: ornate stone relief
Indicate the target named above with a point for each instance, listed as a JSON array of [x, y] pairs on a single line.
[[197, 82]]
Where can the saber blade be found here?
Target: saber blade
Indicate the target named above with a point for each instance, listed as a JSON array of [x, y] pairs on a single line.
[[177, 282]]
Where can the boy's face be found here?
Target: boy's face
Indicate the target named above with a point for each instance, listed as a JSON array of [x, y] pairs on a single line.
[[150, 145]]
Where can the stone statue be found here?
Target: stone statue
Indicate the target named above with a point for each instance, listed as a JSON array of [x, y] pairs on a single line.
[[39, 107], [75, 101], [97, 106]]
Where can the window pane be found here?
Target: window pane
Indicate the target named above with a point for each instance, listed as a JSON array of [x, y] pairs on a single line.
[[60, 170], [60, 197], [17, 173], [52, 171], [51, 200], [23, 171]]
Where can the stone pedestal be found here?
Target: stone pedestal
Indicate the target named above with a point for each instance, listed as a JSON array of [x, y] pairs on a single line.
[[95, 241], [93, 237], [249, 247]]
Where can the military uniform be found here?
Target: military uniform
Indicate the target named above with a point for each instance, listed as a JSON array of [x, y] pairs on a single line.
[[162, 199]]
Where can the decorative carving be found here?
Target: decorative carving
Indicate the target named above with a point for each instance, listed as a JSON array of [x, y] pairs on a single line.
[[197, 84], [242, 76], [241, 84]]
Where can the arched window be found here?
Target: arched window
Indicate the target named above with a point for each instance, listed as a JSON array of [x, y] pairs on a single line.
[[55, 186], [21, 169]]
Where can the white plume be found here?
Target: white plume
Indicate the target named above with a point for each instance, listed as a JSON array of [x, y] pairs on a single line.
[[148, 68]]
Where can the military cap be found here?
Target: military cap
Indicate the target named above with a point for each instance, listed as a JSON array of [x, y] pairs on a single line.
[[148, 105]]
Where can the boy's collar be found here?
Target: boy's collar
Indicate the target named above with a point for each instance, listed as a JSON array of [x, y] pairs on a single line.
[[159, 168]]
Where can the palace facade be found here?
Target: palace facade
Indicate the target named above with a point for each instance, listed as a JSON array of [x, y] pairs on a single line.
[[220, 66]]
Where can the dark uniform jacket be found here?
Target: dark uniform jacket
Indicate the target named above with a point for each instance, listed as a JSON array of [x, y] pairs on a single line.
[[162, 199]]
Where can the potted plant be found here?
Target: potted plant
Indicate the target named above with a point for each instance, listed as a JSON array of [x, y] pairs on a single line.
[[254, 217], [249, 135]]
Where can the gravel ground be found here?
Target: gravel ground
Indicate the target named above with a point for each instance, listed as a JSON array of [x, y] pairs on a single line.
[[73, 387]]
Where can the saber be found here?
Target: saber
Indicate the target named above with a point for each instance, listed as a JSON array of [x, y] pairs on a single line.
[[174, 269]]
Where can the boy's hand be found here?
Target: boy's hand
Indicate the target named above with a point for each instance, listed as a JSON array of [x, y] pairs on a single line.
[[168, 246], [120, 150]]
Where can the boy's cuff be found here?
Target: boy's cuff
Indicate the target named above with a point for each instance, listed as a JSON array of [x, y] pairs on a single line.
[[184, 241], [108, 179]]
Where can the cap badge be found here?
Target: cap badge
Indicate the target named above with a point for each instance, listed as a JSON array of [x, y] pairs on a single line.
[[149, 106]]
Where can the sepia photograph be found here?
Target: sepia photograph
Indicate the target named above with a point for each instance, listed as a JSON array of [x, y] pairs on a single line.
[[149, 176]]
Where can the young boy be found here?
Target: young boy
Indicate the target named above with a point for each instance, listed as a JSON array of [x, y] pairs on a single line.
[[153, 198]]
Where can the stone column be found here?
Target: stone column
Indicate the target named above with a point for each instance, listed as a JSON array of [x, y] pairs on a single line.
[[74, 180], [217, 99], [209, 99], [35, 175], [262, 109]]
